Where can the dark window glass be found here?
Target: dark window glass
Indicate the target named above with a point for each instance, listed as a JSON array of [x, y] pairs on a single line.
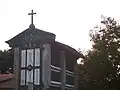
[[55, 55], [69, 63], [69, 80], [54, 88], [55, 76], [68, 89]]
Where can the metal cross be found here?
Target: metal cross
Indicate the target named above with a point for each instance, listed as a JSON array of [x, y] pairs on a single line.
[[31, 16]]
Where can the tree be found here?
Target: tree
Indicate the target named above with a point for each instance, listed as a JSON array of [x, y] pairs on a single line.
[[6, 61], [102, 64]]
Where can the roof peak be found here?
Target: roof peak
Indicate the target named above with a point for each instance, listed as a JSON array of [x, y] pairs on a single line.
[[32, 26]]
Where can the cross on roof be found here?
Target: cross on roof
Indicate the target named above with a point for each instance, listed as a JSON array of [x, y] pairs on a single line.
[[31, 16]]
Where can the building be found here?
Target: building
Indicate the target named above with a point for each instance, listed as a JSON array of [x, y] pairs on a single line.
[[42, 63]]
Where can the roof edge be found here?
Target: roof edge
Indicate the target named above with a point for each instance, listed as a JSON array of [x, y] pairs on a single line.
[[75, 52]]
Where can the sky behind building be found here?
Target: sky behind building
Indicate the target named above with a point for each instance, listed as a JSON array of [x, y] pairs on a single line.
[[70, 20]]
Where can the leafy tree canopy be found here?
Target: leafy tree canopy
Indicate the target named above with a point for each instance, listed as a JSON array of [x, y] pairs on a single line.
[[101, 68], [6, 61]]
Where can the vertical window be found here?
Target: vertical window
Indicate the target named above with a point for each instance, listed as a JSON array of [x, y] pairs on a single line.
[[29, 62], [37, 76], [23, 64], [23, 57], [22, 77], [29, 76], [37, 57], [30, 57]]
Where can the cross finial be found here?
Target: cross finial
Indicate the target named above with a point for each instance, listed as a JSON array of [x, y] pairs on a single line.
[[31, 16]]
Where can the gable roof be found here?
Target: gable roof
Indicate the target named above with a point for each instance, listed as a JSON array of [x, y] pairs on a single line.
[[31, 33], [37, 36]]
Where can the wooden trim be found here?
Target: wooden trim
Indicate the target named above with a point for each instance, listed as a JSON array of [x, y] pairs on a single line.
[[75, 75], [55, 67], [40, 67], [16, 67], [54, 70], [55, 84], [19, 81], [26, 66], [41, 62], [68, 85], [63, 69], [69, 72], [33, 67]]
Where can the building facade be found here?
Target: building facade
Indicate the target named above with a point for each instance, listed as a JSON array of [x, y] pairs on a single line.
[[42, 63]]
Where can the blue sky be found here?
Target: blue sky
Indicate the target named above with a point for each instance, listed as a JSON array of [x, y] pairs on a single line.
[[70, 20]]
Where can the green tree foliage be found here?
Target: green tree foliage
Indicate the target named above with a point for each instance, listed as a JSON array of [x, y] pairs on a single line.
[[6, 61], [101, 68]]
